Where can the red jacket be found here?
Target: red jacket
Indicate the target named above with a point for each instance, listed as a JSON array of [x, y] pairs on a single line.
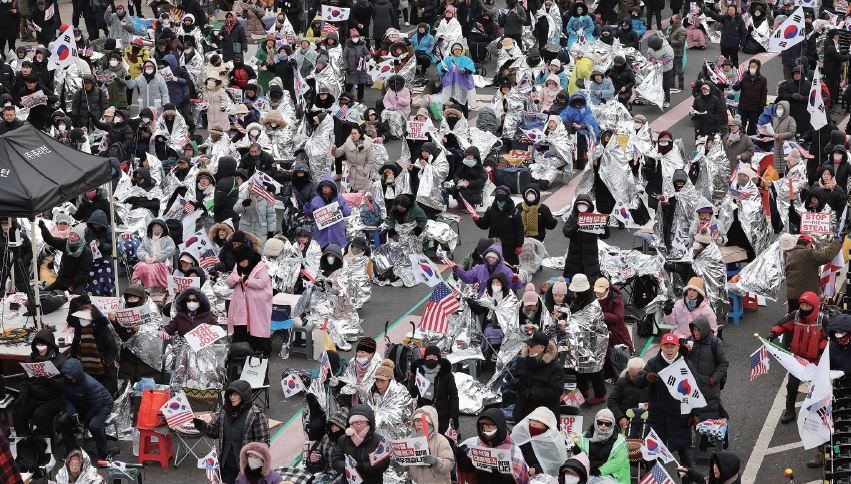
[[612, 306], [809, 337]]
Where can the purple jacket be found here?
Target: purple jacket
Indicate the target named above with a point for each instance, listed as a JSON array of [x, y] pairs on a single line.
[[335, 234], [480, 273]]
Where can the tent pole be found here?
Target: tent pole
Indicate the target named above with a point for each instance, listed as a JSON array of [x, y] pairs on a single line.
[[114, 244], [36, 289]]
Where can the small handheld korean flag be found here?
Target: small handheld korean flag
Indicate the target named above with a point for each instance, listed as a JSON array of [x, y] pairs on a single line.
[[380, 453], [653, 448], [682, 386], [815, 103], [352, 474], [422, 383], [292, 384], [789, 33], [424, 270]]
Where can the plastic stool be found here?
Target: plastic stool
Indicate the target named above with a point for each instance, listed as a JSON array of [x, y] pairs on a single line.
[[147, 446], [307, 333], [750, 302], [737, 309]]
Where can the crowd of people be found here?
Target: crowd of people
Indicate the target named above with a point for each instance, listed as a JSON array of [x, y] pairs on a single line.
[[250, 159]]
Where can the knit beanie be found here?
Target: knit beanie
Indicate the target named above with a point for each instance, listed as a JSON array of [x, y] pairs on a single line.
[[385, 370], [366, 344], [530, 297], [432, 350], [560, 287]]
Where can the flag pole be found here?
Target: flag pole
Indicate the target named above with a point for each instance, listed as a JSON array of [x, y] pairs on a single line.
[[114, 244], [36, 289]]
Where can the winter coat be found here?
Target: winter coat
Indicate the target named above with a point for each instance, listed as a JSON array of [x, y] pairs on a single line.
[[151, 93], [802, 268], [217, 113], [677, 40], [709, 368], [438, 446], [501, 440], [74, 272], [481, 273], [256, 424], [546, 221], [304, 192], [582, 256], [785, 128], [504, 225], [414, 214], [513, 20], [97, 229], [226, 192], [840, 355], [184, 322], [232, 42], [360, 162], [36, 391], [476, 178], [612, 453], [123, 29], [582, 116], [754, 92], [335, 234], [742, 147], [605, 89], [424, 43], [355, 57], [445, 394], [612, 306], [665, 56], [625, 395], [833, 62], [371, 474], [86, 397], [270, 475], [796, 93], [253, 15], [681, 317], [809, 335], [538, 382], [85, 103], [577, 23], [146, 248], [714, 115], [117, 89], [384, 16], [258, 218], [733, 30], [670, 425], [728, 465], [251, 303]]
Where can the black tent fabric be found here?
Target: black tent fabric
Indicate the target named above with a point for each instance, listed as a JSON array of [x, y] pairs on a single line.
[[38, 172]]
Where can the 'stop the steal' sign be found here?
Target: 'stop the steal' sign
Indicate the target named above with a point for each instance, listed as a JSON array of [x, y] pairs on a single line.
[[815, 223], [593, 223], [176, 285], [41, 369], [203, 336]]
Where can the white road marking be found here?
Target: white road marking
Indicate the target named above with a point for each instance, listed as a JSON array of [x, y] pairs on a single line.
[[760, 447], [784, 448]]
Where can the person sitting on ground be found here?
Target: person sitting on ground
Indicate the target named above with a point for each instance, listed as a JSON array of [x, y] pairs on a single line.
[[606, 448], [255, 465]]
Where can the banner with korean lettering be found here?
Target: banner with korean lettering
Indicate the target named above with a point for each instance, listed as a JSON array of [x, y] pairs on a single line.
[[328, 215], [410, 452], [127, 318], [490, 459], [593, 223]]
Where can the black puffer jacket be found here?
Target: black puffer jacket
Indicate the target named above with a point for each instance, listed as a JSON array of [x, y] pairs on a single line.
[[445, 393], [74, 271], [538, 382], [226, 191], [43, 389], [84, 103], [710, 368], [625, 395], [840, 355], [384, 16], [582, 254], [754, 90], [713, 114], [504, 225], [496, 416], [371, 474], [475, 176], [728, 464], [670, 425]]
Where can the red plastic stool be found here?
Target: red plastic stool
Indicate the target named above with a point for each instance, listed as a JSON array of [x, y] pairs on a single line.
[[750, 302], [147, 446]]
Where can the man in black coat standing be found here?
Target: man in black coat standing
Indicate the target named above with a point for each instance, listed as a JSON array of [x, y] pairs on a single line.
[[834, 59], [538, 379], [796, 90], [733, 32], [503, 223], [441, 392]]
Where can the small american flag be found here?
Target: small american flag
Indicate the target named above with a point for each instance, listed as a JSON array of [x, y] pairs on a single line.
[[741, 71], [324, 366], [188, 207], [257, 187], [208, 259], [759, 362], [657, 475], [328, 28], [440, 305], [451, 433], [739, 195]]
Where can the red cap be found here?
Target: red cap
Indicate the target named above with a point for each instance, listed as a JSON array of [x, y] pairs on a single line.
[[670, 339], [806, 237]]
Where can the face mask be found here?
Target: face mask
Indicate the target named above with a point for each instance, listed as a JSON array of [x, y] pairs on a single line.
[[146, 120], [752, 71], [433, 363], [534, 355], [187, 50], [192, 306], [691, 303], [356, 39], [149, 72], [734, 136], [118, 120], [61, 127], [85, 322], [637, 126], [571, 480], [255, 133], [530, 199], [330, 259], [362, 360], [491, 261], [43, 348], [113, 63], [780, 112], [471, 163], [664, 143], [582, 207], [254, 463], [489, 434], [806, 312], [496, 287], [837, 157]]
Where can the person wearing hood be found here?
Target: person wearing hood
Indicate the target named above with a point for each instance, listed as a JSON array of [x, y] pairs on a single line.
[[192, 309], [606, 448], [481, 273], [538, 378], [152, 88], [709, 112], [802, 266], [154, 253], [359, 441], [304, 188], [841, 168], [441, 459], [332, 260], [623, 79], [503, 223], [582, 256], [723, 469], [238, 423], [737, 144], [834, 193], [627, 36], [579, 118], [753, 87], [397, 96], [77, 260], [326, 195], [708, 361], [575, 470], [88, 101], [839, 333], [541, 442], [227, 192], [357, 151], [549, 92], [784, 129], [77, 468], [405, 210], [469, 178], [132, 367], [441, 394], [231, 38], [669, 206], [691, 306], [87, 402], [320, 455], [256, 214], [660, 52], [492, 432], [423, 43], [250, 309], [706, 223], [602, 89], [93, 343], [796, 90], [142, 178], [535, 216], [809, 338], [579, 21], [40, 398], [255, 465], [120, 134]]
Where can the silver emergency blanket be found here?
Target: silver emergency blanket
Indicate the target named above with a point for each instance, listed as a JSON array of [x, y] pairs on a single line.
[[408, 71], [177, 137], [335, 307], [680, 226], [146, 344], [560, 151], [714, 175], [765, 275], [396, 123], [554, 27], [534, 252], [393, 255], [393, 411], [318, 155], [485, 141], [506, 56], [588, 338], [512, 117], [354, 279], [751, 216], [505, 311], [380, 157], [473, 395], [604, 54], [326, 398], [612, 116], [280, 142], [441, 233], [70, 79], [672, 161], [195, 67], [512, 343], [260, 138], [650, 87], [223, 147], [349, 378], [199, 371], [616, 173], [709, 266], [788, 192], [461, 131], [620, 265], [135, 221], [328, 78], [218, 292], [88, 473], [119, 423]]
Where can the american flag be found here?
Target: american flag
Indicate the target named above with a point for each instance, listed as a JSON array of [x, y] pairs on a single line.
[[188, 207], [257, 187], [657, 475], [759, 362], [328, 28], [829, 271], [441, 304], [324, 366], [741, 71], [451, 433], [208, 259], [739, 195]]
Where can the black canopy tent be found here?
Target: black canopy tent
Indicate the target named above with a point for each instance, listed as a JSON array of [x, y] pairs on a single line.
[[38, 173]]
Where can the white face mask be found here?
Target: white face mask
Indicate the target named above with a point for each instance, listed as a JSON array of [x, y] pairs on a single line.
[[664, 143], [362, 360], [113, 62], [85, 322], [254, 463], [839, 334], [637, 126], [571, 480], [330, 259], [837, 157], [255, 133], [149, 71], [192, 306], [146, 120], [734, 136], [273, 125], [43, 348], [582, 207], [529, 199], [496, 287], [489, 434], [752, 71], [780, 111], [62, 127], [355, 39]]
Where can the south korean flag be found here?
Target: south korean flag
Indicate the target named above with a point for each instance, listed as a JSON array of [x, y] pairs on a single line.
[[683, 386], [789, 33]]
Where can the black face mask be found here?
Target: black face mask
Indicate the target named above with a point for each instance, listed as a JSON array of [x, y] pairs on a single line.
[[806, 313], [431, 364]]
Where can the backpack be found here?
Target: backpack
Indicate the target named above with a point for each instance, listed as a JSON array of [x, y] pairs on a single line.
[[645, 326], [237, 355], [370, 213], [645, 290], [714, 345], [32, 454], [403, 356]]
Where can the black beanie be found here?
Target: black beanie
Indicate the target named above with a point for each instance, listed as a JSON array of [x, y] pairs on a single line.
[[367, 344], [432, 350]]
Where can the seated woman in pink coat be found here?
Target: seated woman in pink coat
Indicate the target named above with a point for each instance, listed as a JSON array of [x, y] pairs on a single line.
[[250, 310], [397, 97], [691, 306]]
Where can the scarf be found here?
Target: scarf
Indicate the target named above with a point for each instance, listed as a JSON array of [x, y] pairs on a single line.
[[88, 352], [358, 438], [600, 435], [74, 251], [529, 214], [155, 246], [829, 185], [431, 375]]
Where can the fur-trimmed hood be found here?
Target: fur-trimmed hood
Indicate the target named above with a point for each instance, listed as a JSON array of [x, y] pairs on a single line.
[[549, 354], [261, 449], [214, 229], [273, 116]]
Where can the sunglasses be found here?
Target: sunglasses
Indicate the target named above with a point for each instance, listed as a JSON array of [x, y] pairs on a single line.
[[604, 423]]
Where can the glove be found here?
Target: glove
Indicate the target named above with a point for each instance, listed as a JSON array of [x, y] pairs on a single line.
[[652, 377], [164, 336], [333, 381], [270, 235], [518, 251], [476, 218], [42, 225], [246, 202], [712, 381], [199, 424], [772, 336], [430, 460]]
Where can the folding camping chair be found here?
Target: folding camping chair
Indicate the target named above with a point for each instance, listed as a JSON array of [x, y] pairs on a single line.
[[190, 442], [241, 356]]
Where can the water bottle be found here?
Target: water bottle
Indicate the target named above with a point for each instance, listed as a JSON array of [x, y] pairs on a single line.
[[136, 442]]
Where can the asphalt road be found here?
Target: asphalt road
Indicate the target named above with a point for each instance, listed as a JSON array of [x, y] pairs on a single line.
[[765, 448]]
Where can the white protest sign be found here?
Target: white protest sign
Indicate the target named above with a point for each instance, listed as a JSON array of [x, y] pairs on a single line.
[[410, 452], [416, 130], [127, 318], [105, 304], [593, 223], [93, 245], [203, 336], [815, 223], [327, 215], [44, 368], [177, 284], [491, 459], [33, 100], [571, 424]]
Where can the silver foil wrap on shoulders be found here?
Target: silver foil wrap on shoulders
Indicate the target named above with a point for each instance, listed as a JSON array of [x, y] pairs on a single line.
[[473, 395], [588, 338], [441, 233], [765, 275], [393, 411], [146, 344], [120, 422]]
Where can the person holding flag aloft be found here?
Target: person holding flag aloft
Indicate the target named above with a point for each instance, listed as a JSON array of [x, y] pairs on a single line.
[[256, 208]]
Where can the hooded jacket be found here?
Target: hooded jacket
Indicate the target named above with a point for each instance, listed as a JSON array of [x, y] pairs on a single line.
[[86, 397], [505, 225], [809, 333], [710, 367], [481, 273], [501, 440], [153, 92], [578, 112], [269, 475], [304, 190], [445, 393], [538, 381], [184, 321], [42, 389], [609, 457], [713, 114], [579, 464], [226, 192], [785, 128], [439, 447], [546, 221], [802, 267], [475, 177], [74, 272], [146, 248], [336, 233], [582, 256], [251, 302], [92, 102], [414, 213], [371, 474], [256, 424], [840, 354], [728, 464]]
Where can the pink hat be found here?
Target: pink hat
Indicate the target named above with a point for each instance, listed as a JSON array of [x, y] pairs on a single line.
[[354, 33], [450, 8], [530, 297]]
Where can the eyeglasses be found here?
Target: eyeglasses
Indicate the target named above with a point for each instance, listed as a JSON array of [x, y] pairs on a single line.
[[604, 423]]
